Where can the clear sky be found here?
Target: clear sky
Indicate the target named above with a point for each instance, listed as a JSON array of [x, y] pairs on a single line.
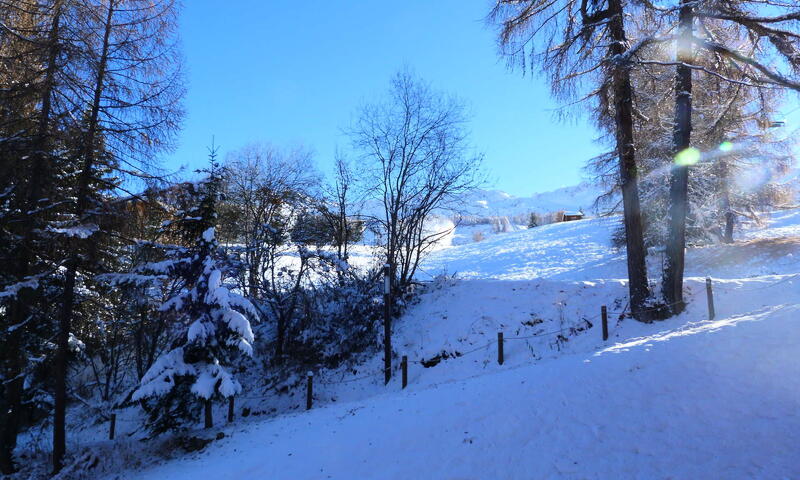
[[291, 73]]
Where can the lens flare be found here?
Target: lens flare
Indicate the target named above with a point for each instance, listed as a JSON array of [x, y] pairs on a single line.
[[687, 157], [726, 146]]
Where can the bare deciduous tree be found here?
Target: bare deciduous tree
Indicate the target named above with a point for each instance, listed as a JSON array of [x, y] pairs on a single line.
[[417, 160], [340, 208], [266, 190]]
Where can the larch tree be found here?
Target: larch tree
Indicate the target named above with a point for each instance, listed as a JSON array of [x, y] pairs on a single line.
[[34, 111], [766, 31], [130, 110], [584, 44]]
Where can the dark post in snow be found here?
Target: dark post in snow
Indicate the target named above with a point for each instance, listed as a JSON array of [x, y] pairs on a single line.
[[500, 348], [230, 409], [309, 391], [404, 366], [112, 426], [604, 315], [710, 295], [207, 404], [387, 323]]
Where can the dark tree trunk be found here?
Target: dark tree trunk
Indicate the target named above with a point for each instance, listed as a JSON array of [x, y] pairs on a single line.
[[252, 278], [87, 149], [281, 337], [10, 404], [672, 287], [730, 218], [60, 368], [629, 175]]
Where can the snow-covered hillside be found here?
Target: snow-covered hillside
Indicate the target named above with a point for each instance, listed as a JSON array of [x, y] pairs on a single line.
[[499, 203], [684, 398], [493, 203]]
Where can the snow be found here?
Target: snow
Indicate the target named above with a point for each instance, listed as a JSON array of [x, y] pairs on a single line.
[[79, 231], [198, 332], [208, 235], [239, 324], [13, 289], [207, 378], [563, 251], [684, 398], [160, 378], [486, 202], [680, 402]]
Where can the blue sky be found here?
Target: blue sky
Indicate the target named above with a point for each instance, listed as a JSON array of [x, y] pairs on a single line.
[[292, 73]]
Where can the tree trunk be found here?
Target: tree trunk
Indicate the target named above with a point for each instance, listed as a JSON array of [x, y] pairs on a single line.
[[65, 321], [730, 220], [672, 286], [629, 175], [60, 368], [281, 334], [730, 217], [10, 405]]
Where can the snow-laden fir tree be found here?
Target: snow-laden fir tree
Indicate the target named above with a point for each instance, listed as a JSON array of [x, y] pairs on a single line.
[[212, 320]]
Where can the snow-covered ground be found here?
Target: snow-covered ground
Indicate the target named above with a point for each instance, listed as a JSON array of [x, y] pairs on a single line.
[[684, 398]]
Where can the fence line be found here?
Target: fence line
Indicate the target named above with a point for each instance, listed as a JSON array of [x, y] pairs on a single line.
[[404, 364]]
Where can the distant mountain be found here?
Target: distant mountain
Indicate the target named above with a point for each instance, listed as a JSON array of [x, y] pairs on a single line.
[[499, 203]]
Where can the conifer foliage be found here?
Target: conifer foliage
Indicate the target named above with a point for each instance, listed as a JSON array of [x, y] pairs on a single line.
[[212, 320]]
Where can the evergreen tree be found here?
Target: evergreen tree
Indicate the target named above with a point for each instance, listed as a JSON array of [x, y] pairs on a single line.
[[534, 220], [212, 319]]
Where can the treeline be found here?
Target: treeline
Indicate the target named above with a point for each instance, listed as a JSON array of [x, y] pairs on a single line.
[[685, 92], [508, 223]]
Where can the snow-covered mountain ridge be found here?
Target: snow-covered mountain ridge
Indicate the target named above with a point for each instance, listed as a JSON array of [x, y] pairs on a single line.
[[494, 203], [499, 203]]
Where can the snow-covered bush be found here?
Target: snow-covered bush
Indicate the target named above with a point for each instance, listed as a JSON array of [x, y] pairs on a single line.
[[336, 319]]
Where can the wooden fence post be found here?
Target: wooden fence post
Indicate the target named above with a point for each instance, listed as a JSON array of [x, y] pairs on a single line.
[[387, 323], [404, 366], [604, 315], [710, 295], [500, 348], [112, 426], [309, 391], [208, 423], [230, 409]]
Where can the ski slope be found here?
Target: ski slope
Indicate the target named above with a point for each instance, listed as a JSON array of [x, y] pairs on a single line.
[[683, 398]]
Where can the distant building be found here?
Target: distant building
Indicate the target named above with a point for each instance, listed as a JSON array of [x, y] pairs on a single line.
[[570, 216]]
